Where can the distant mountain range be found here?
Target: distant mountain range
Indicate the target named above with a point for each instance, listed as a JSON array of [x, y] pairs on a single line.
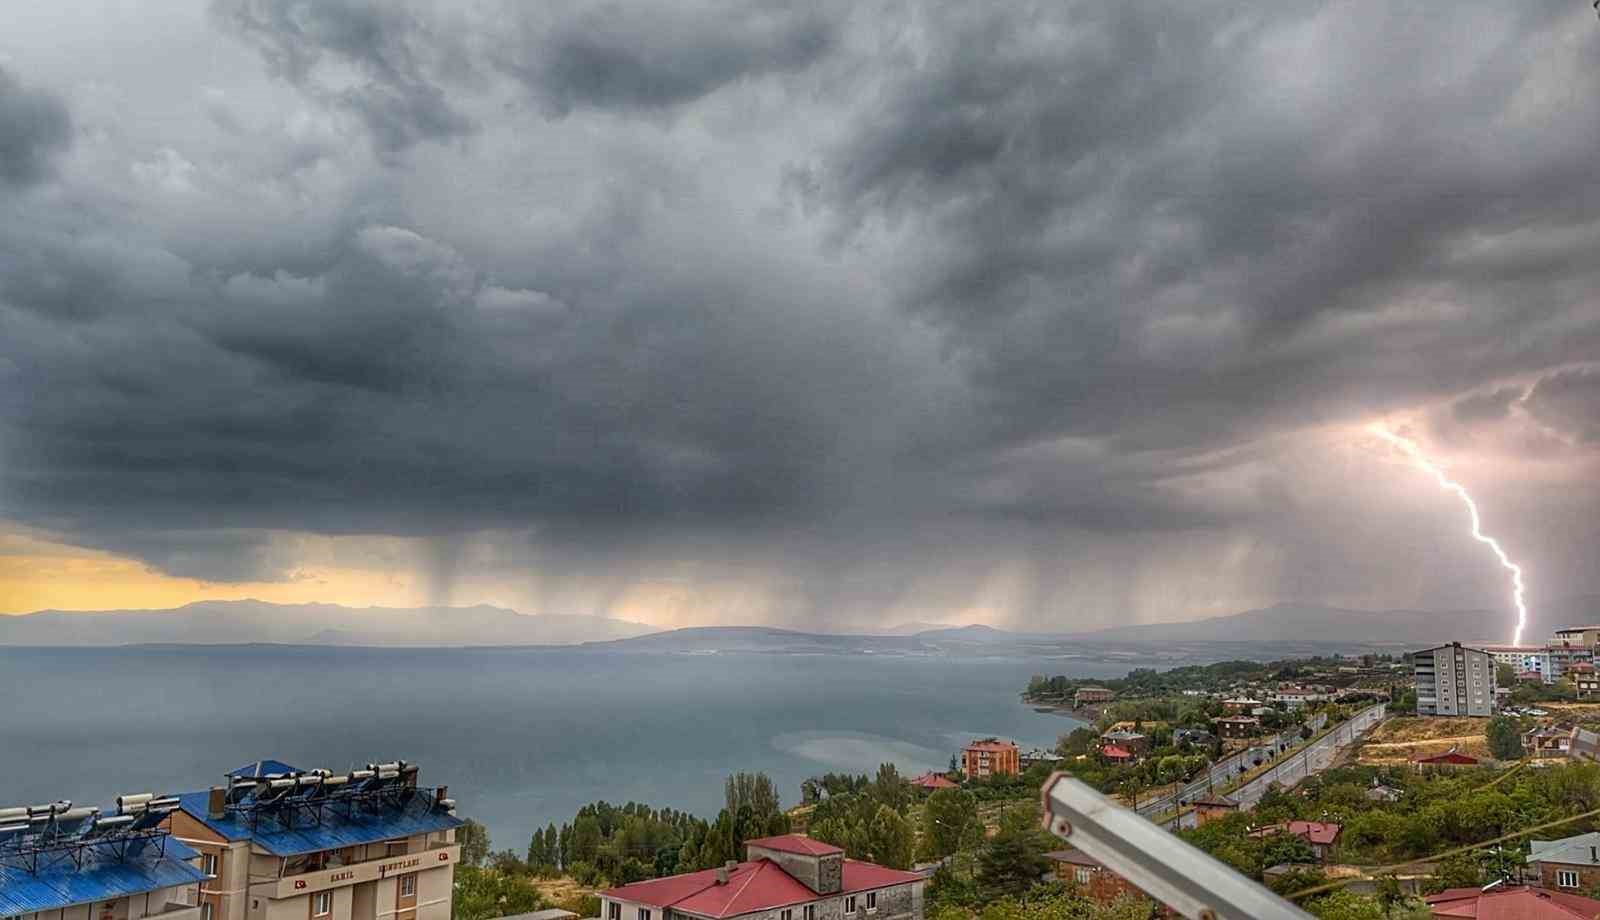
[[1287, 628], [238, 622]]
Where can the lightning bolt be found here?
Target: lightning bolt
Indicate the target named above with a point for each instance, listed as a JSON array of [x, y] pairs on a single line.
[[1410, 448]]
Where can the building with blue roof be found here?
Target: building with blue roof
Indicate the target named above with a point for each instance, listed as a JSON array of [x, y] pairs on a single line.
[[289, 844], [63, 863]]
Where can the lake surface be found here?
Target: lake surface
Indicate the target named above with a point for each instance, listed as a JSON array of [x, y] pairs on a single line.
[[522, 736]]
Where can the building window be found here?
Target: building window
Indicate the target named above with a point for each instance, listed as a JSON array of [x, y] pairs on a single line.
[[408, 886], [786, 914], [1082, 874], [396, 849], [809, 912], [322, 904], [208, 863], [850, 904], [644, 913], [613, 911], [872, 902], [1566, 878]]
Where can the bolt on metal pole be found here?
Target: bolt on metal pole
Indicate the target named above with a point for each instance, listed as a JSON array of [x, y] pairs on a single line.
[[1155, 861]]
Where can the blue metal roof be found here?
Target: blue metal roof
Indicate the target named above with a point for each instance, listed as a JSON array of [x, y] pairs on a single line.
[[59, 883], [263, 767], [334, 831]]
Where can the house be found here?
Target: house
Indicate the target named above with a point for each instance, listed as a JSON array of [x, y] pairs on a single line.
[[1512, 901], [1117, 755], [1198, 737], [1037, 756], [1382, 793], [1089, 875], [1585, 679], [1568, 864], [789, 877], [1548, 740], [1211, 806], [1136, 742], [60, 862], [1089, 695], [284, 842], [1239, 705], [1322, 835], [1236, 727], [991, 757], [1450, 758], [933, 782]]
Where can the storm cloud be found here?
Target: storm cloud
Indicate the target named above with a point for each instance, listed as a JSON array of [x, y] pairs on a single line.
[[1048, 314]]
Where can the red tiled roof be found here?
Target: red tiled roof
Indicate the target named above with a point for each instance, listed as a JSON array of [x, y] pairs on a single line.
[[991, 745], [1320, 832], [1115, 753], [752, 886], [933, 781], [1455, 757], [1074, 856], [795, 843], [1516, 903]]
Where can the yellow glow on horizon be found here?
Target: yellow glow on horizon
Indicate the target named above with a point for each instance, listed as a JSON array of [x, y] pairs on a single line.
[[38, 574]]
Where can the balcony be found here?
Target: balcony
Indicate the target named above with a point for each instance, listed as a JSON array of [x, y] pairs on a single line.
[[433, 857]]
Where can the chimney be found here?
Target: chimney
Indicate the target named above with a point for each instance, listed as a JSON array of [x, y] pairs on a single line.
[[730, 865], [216, 802], [722, 875]]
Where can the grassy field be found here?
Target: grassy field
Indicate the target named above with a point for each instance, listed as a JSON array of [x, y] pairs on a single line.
[[1398, 740]]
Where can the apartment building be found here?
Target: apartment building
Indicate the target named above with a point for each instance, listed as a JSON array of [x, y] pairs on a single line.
[[1453, 680], [1089, 695], [991, 757], [280, 843], [790, 877], [1585, 678], [58, 862], [1525, 659]]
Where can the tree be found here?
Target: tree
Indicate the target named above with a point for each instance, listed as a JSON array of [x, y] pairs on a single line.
[[474, 840], [585, 838], [1505, 737], [891, 839], [1013, 860], [1505, 675], [484, 893], [945, 819], [890, 789]]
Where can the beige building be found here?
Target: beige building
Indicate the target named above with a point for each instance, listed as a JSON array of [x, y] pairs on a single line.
[[286, 844], [1453, 680]]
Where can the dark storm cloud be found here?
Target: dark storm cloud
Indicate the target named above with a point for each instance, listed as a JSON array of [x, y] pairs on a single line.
[[650, 56], [1569, 402], [34, 127], [400, 57], [940, 285]]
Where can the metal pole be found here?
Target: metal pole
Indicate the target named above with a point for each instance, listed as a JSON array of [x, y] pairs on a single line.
[[1155, 861]]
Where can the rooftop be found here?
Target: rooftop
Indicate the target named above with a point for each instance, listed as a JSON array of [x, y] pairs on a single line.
[[795, 843], [1579, 850], [1320, 832], [991, 744], [933, 781], [751, 886], [1074, 856], [311, 822], [1512, 903]]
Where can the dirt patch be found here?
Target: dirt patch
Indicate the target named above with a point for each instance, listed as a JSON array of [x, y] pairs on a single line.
[[561, 890], [1402, 731]]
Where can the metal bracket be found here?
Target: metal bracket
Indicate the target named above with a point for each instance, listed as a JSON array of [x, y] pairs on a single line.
[[1155, 861]]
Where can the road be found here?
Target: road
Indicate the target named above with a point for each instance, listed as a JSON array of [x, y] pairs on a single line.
[[1314, 758], [1227, 769]]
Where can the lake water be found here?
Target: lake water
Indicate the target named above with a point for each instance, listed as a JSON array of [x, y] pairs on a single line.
[[522, 736]]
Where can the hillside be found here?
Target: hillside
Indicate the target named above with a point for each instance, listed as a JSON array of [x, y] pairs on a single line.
[[232, 622]]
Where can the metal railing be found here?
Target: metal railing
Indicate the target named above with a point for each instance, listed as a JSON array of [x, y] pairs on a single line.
[[1155, 861]]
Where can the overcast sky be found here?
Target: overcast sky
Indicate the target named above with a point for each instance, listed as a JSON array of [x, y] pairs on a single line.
[[825, 315]]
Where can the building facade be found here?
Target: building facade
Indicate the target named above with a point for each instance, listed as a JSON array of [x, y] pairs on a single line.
[[58, 862], [1568, 864], [1525, 659], [790, 877], [991, 757], [1453, 680], [1090, 695], [286, 844], [1235, 728]]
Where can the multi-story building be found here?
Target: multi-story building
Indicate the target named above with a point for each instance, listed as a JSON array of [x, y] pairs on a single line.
[[286, 844], [1232, 728], [1087, 695], [1524, 659], [782, 878], [1136, 743], [1584, 678], [991, 757], [1240, 706], [1296, 697], [58, 862], [1453, 680]]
